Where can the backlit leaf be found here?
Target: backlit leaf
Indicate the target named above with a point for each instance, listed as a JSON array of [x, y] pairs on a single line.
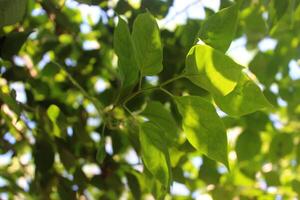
[[212, 70], [244, 99], [203, 127], [219, 29], [146, 39], [126, 57]]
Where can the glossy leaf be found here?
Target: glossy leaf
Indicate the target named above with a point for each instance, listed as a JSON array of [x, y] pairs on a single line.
[[146, 39], [203, 127], [161, 117], [244, 99], [219, 29], [212, 70], [155, 154]]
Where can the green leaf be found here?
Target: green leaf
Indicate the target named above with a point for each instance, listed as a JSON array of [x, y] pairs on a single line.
[[244, 99], [155, 154], [280, 8], [212, 70], [58, 120], [53, 112], [101, 153], [161, 117], [12, 44], [43, 155], [146, 39], [203, 127], [66, 156], [281, 145], [134, 185], [296, 186], [219, 29], [124, 49], [272, 178], [11, 11], [248, 145], [208, 171]]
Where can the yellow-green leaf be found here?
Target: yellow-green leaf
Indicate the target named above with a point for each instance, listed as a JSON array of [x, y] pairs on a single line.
[[244, 99], [212, 70], [203, 127], [219, 29]]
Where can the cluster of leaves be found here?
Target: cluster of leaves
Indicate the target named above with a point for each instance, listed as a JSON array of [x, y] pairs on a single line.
[[159, 111]]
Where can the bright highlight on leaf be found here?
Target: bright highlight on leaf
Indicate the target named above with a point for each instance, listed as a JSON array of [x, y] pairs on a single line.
[[212, 70], [53, 113], [203, 127], [244, 99]]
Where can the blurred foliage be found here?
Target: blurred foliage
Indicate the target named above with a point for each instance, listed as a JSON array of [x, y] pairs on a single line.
[[69, 129]]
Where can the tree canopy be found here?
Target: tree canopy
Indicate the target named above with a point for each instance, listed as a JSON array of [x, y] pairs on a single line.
[[102, 100]]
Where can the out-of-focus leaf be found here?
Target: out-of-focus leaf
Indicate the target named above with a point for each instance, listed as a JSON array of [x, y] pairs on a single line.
[[208, 171], [134, 186], [54, 115], [254, 24], [43, 156], [296, 186], [101, 153], [281, 145], [203, 127], [212, 70], [248, 145], [65, 189], [272, 178], [280, 7], [11, 11], [12, 44]]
